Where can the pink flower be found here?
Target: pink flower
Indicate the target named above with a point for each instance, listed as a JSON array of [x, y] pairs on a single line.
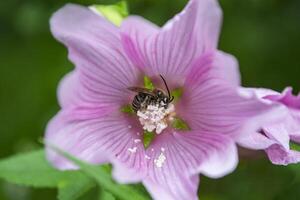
[[275, 136], [110, 59]]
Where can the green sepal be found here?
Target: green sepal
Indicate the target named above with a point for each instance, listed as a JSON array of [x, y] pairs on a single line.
[[148, 83], [114, 13], [127, 109], [148, 138], [294, 146], [177, 93], [180, 124]]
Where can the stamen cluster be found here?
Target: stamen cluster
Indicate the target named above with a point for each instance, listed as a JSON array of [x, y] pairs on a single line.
[[156, 117]]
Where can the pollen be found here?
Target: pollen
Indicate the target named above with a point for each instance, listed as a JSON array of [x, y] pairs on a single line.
[[160, 160], [132, 150], [156, 117], [137, 141]]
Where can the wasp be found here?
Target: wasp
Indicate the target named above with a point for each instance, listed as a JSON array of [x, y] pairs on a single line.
[[147, 97]]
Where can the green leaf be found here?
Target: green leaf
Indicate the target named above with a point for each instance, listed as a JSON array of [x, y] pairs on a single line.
[[148, 138], [114, 13], [290, 192], [32, 169], [126, 192], [148, 83], [180, 124], [104, 195], [73, 189]]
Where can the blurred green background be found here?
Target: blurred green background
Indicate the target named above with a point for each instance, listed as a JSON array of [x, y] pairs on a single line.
[[263, 34]]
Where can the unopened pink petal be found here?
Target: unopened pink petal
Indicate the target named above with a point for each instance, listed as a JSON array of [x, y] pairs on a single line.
[[278, 133], [274, 136], [287, 98], [280, 156]]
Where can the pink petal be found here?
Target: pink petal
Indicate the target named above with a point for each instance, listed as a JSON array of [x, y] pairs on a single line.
[[273, 132], [125, 175], [76, 105], [136, 31], [171, 51], [285, 130], [183, 188], [95, 48], [185, 155], [108, 138], [221, 163], [260, 93], [212, 103], [280, 156], [228, 67], [216, 65], [287, 98], [295, 136], [87, 112], [255, 141], [206, 25], [68, 90], [62, 133], [276, 132]]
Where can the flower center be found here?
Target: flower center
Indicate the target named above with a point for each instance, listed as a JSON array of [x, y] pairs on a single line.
[[156, 117], [155, 110]]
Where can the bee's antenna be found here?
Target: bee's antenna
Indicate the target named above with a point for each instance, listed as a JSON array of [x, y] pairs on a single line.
[[169, 94]]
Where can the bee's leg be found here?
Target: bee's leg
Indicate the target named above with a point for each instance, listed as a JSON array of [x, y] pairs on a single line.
[[145, 103]]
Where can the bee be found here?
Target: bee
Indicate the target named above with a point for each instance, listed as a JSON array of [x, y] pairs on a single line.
[[147, 97]]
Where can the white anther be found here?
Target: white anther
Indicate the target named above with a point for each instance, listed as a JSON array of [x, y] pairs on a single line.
[[155, 117]]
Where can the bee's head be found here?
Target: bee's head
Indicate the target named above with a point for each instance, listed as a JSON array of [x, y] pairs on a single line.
[[166, 99], [160, 94]]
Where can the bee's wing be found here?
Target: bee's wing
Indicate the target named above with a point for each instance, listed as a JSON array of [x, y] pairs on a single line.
[[141, 90]]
